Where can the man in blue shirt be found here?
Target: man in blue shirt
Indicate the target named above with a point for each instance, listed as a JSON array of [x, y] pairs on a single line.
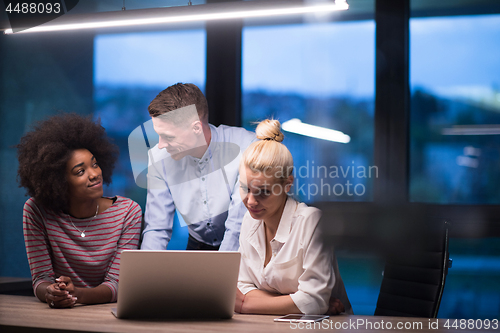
[[193, 170]]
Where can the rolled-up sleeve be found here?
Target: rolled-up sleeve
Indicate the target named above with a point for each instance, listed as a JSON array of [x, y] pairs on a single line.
[[235, 215], [245, 283], [317, 280], [160, 210]]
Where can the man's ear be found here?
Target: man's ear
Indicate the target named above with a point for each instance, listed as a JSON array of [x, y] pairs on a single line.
[[197, 127]]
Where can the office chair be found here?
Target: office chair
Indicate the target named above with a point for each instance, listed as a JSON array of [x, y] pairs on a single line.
[[414, 276]]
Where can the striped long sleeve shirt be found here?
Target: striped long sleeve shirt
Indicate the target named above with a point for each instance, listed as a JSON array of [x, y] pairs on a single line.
[[55, 247]]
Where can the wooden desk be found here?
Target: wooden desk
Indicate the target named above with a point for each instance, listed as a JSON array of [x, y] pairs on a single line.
[[27, 314]]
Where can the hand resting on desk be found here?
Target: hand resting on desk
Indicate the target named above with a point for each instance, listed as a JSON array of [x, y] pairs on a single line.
[[63, 294], [59, 294], [335, 305]]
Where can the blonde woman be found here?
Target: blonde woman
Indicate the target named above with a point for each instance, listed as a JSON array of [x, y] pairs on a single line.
[[285, 266]]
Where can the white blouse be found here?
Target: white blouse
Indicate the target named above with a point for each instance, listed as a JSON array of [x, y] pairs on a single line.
[[301, 266]]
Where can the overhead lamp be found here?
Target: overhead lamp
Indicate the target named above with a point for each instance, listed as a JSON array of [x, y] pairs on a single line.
[[182, 14], [298, 127], [472, 130]]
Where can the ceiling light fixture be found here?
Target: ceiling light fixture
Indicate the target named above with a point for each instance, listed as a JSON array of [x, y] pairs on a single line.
[[181, 14], [296, 126], [472, 130]]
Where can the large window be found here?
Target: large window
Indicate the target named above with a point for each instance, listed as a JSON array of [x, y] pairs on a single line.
[[322, 75], [455, 109], [455, 144], [130, 70]]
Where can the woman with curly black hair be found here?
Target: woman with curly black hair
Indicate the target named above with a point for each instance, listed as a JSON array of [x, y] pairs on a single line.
[[73, 235]]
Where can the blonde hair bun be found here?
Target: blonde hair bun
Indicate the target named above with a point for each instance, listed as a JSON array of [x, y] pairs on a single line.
[[269, 129], [269, 152]]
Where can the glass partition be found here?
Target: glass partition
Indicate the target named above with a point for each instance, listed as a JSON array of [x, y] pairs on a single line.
[[455, 109], [317, 79], [129, 71]]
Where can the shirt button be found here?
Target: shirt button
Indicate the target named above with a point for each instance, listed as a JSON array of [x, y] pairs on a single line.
[[208, 223], [206, 159], [205, 202], [215, 239], [203, 179]]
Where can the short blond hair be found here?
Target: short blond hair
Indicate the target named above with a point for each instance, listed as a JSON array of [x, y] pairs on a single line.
[[269, 154]]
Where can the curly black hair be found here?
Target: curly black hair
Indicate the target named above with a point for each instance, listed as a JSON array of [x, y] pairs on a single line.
[[44, 152]]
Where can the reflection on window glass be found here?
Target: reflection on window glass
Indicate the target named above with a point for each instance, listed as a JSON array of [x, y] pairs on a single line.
[[455, 109], [455, 144], [320, 75], [129, 71]]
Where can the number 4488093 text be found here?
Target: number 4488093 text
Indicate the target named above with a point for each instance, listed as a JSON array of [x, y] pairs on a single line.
[[33, 7], [471, 324]]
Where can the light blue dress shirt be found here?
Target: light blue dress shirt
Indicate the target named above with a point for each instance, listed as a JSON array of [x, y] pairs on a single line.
[[204, 192]]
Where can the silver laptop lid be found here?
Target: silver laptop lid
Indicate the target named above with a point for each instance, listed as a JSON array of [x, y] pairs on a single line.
[[177, 284]]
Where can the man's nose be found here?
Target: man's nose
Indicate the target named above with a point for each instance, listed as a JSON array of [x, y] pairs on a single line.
[[162, 143]]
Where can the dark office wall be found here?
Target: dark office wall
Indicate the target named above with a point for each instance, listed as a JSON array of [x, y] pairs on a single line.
[[223, 80], [223, 85], [39, 76]]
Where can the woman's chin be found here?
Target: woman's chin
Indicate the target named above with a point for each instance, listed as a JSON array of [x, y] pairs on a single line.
[[257, 215]]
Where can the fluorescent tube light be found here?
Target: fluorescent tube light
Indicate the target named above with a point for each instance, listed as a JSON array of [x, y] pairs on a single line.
[[181, 14], [296, 126], [472, 130]]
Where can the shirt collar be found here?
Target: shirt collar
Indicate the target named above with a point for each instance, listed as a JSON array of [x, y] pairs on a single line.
[[213, 131], [208, 153], [285, 225], [256, 234]]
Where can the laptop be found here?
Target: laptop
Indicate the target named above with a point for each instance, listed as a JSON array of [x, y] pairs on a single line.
[[177, 284]]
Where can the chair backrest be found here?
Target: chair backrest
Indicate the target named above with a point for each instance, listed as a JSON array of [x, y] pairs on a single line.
[[414, 275]]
